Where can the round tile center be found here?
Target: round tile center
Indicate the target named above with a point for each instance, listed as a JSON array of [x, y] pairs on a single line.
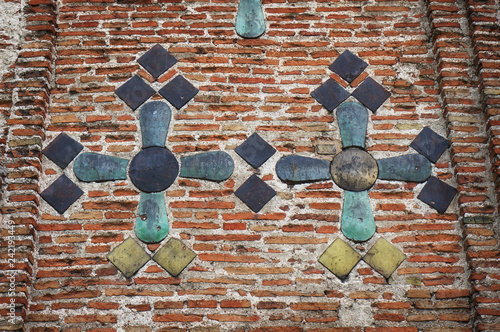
[[354, 169], [153, 169]]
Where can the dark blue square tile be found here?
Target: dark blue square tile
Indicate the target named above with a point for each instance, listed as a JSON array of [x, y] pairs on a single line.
[[62, 150], [371, 94], [157, 61], [255, 150], [134, 92], [255, 193], [348, 66], [437, 194], [61, 194], [330, 94], [178, 91], [430, 144]]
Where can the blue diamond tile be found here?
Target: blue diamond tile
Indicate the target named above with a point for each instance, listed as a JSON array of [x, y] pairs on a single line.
[[62, 150], [255, 150], [178, 91], [430, 144], [134, 92], [157, 61], [61, 194], [330, 94], [255, 193], [437, 194], [348, 66], [371, 94]]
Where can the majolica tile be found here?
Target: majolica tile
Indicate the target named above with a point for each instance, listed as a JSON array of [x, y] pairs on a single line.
[[154, 117], [410, 167], [298, 169], [157, 61], [250, 22], [174, 257], [153, 169], [437, 194], [353, 121], [371, 94], [213, 166], [255, 193], [151, 225], [135, 92], [95, 167], [178, 91], [128, 257], [255, 150], [358, 223], [61, 194], [340, 259], [384, 257], [348, 66], [330, 94], [430, 144], [62, 150]]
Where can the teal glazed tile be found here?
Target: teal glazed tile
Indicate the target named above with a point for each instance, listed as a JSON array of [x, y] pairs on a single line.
[[410, 167], [250, 22], [330, 94], [353, 121], [151, 225], [298, 169], [95, 167], [62, 150], [155, 120], [357, 222], [178, 92], [157, 61], [135, 92], [255, 150], [430, 144], [348, 66], [255, 193], [437, 194], [371, 94], [213, 166], [61, 194]]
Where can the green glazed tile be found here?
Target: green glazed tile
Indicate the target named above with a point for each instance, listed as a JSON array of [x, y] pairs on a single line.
[[410, 167], [213, 166], [151, 225], [357, 222], [155, 120], [298, 169], [250, 22], [128, 257], [95, 167], [174, 257], [353, 121], [340, 258], [384, 257]]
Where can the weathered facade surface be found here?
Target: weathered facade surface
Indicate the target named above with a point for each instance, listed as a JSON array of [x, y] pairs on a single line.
[[61, 62]]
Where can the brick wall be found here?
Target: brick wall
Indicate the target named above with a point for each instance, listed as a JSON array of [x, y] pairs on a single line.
[[254, 271]]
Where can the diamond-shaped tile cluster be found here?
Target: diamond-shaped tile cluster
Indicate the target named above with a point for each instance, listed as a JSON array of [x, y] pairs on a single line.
[[156, 61], [348, 66], [129, 257], [340, 258], [62, 193], [254, 192], [436, 193]]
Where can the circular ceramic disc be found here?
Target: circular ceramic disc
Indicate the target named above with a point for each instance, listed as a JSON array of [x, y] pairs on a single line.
[[153, 169], [354, 169]]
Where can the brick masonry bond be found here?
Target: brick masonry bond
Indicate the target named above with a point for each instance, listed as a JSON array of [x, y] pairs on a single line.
[[255, 270]]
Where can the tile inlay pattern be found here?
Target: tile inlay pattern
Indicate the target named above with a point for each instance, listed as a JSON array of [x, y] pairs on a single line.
[[152, 170], [356, 171]]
